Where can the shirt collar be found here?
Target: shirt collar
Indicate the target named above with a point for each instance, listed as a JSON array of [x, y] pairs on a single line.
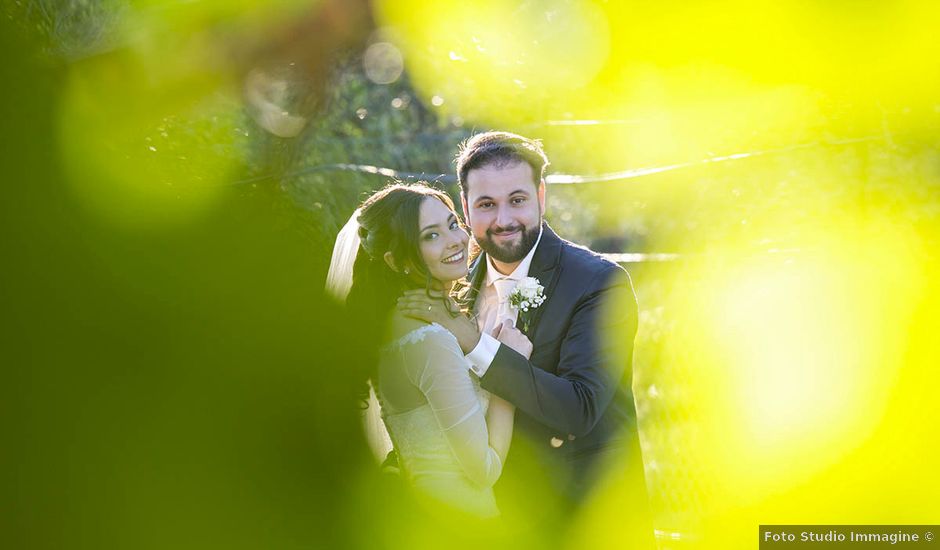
[[521, 271]]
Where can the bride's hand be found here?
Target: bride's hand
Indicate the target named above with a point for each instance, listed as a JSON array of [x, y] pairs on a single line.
[[431, 309], [506, 333]]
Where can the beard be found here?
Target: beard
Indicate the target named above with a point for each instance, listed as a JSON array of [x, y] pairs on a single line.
[[510, 252]]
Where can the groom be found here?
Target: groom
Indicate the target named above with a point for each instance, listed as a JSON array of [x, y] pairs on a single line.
[[573, 395]]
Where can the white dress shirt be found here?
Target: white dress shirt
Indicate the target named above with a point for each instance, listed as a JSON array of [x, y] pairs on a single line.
[[493, 306]]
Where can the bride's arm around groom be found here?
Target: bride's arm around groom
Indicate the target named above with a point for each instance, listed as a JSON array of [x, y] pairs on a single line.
[[479, 439]]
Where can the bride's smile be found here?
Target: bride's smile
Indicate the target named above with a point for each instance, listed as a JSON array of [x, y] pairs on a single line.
[[454, 259]]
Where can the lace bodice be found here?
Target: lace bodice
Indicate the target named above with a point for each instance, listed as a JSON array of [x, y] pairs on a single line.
[[435, 412]]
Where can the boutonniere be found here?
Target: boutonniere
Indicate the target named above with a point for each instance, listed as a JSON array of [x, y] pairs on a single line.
[[527, 295]]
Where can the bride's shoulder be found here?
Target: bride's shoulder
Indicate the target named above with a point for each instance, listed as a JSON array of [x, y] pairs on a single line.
[[401, 326], [405, 330]]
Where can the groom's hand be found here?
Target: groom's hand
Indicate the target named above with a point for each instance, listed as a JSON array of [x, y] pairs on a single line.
[[509, 335], [438, 309]]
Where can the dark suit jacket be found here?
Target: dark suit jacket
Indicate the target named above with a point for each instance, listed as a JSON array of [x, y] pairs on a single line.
[[573, 397]]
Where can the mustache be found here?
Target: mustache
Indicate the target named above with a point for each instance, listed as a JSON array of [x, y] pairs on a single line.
[[501, 230]]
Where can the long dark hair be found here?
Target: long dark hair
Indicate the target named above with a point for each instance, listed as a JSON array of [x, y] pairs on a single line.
[[388, 222]]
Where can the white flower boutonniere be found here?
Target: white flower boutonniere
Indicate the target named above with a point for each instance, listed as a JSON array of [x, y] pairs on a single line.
[[528, 295]]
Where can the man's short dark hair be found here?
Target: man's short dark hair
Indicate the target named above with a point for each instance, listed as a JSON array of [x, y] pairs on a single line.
[[499, 149]]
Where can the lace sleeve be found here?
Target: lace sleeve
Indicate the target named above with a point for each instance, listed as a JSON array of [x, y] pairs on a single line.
[[438, 368]]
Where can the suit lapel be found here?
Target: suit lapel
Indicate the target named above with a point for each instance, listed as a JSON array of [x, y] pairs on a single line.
[[476, 276], [544, 267]]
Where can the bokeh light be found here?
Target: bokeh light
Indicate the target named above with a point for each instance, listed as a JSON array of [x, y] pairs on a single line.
[[383, 63]]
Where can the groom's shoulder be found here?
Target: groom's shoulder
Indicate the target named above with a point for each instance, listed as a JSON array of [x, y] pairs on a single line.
[[590, 270], [585, 260]]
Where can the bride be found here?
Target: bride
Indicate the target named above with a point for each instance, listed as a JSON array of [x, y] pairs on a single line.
[[451, 436]]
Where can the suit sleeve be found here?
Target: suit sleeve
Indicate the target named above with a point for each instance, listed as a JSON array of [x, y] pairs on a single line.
[[596, 356]]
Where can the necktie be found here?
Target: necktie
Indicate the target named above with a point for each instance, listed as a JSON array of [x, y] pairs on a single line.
[[504, 288]]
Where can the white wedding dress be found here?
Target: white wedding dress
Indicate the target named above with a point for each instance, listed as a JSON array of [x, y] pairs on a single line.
[[434, 410]]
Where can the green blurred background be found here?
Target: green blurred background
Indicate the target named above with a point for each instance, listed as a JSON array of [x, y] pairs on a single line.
[[176, 172]]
